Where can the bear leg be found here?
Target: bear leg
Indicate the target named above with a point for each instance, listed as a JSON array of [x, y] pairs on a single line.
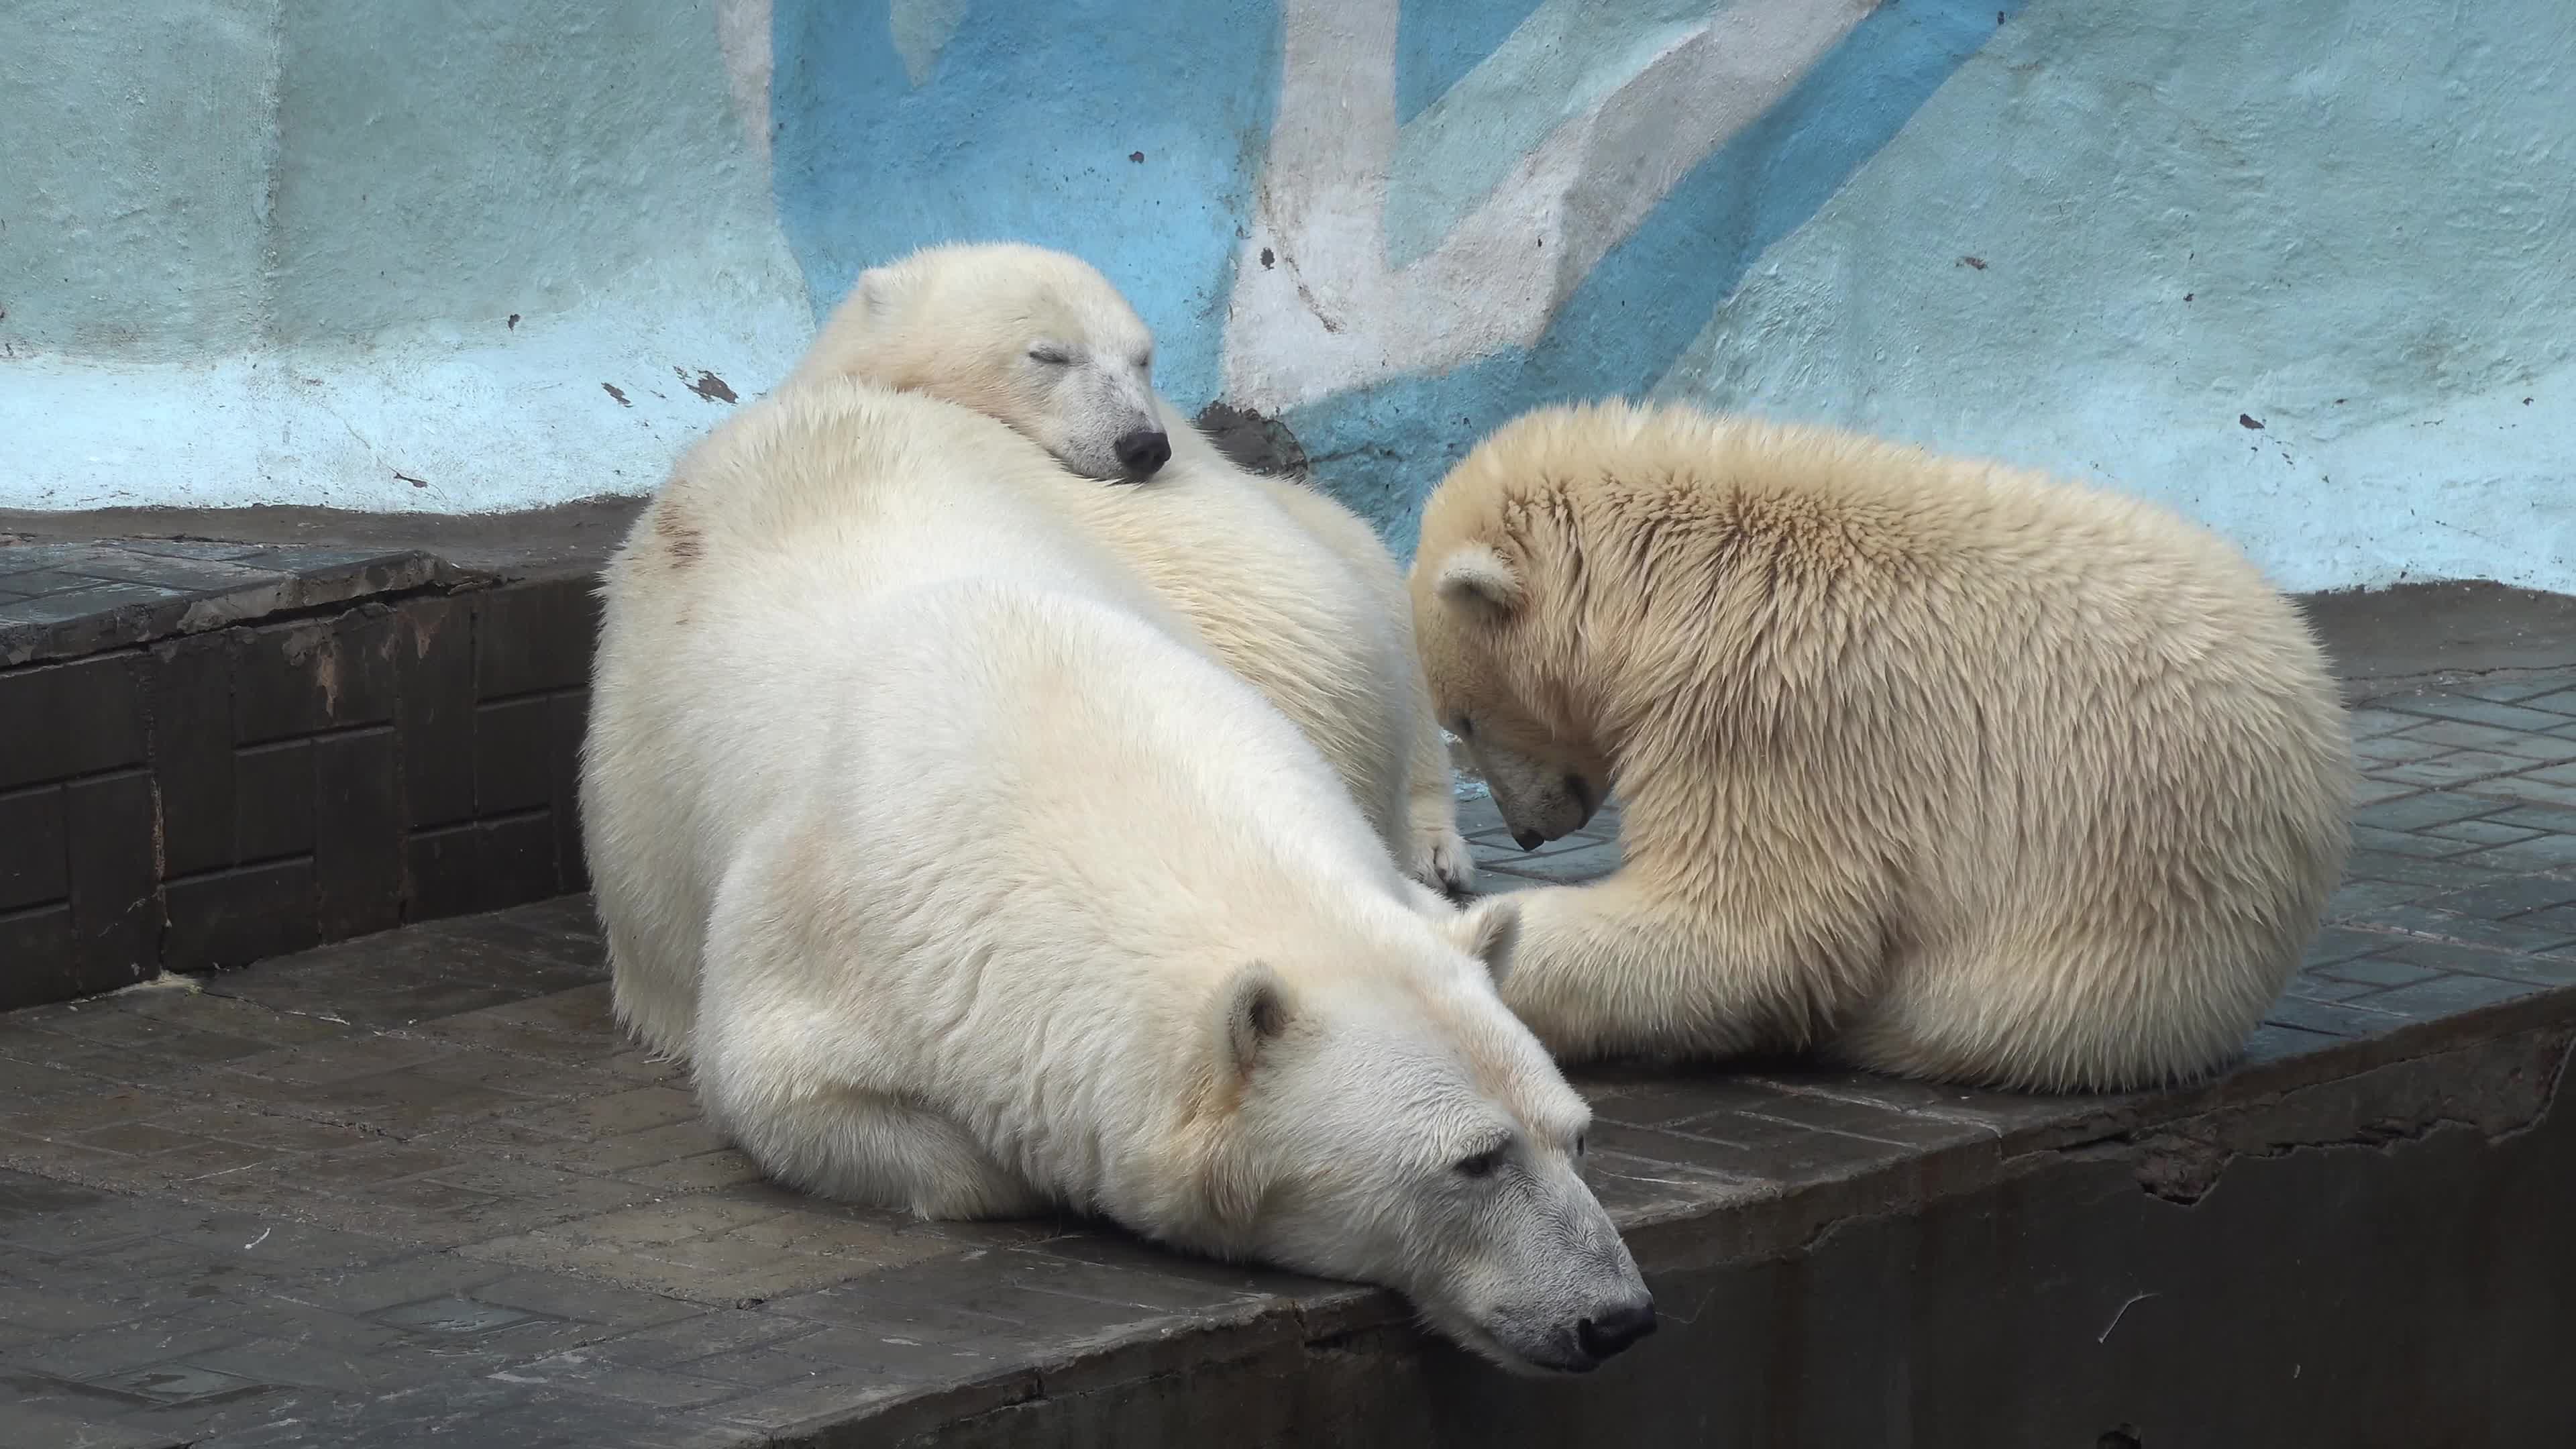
[[866, 1147], [1614, 969]]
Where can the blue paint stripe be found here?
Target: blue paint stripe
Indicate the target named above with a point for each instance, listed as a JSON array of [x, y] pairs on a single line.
[[1381, 449], [1025, 131]]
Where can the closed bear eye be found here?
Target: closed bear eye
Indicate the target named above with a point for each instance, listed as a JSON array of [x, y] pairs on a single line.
[[1482, 1164], [1051, 356]]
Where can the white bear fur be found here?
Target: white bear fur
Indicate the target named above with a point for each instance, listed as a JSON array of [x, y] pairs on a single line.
[[1292, 590], [972, 885], [1950, 769]]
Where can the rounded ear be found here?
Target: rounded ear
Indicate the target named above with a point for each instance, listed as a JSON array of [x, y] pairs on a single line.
[[875, 290], [1489, 930], [1252, 1011], [1477, 578]]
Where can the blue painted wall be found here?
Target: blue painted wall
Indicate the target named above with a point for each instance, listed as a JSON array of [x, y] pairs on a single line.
[[1026, 125], [1968, 223], [2302, 271]]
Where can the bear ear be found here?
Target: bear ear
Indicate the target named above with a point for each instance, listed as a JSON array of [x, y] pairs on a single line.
[[1477, 578], [875, 291], [1489, 930], [1251, 1012]]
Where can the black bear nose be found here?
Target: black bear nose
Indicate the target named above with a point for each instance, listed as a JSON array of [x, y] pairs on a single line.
[[1143, 451], [1528, 839], [1606, 1336]]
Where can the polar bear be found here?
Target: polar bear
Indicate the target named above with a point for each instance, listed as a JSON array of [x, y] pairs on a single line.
[[973, 884], [1294, 591], [1956, 771]]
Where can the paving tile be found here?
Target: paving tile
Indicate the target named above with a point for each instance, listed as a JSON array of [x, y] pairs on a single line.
[[2460, 734], [357, 832], [2450, 994], [41, 948], [2543, 853], [2335, 943], [2271, 1042], [2457, 768], [234, 917], [2506, 935], [192, 748], [2454, 873], [104, 1356], [2376, 971], [2343, 1019], [2508, 899], [115, 886], [434, 717], [306, 677], [2399, 749], [78, 718], [2423, 810], [724, 1331], [31, 1425], [2550, 819], [584, 1372], [2372, 722], [2482, 832], [35, 867], [512, 756], [559, 1296], [2367, 791], [2328, 988], [534, 637], [2478, 711], [2423, 846]]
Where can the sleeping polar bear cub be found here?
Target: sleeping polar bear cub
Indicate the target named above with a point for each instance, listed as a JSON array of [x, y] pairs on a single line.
[[1293, 591], [972, 884]]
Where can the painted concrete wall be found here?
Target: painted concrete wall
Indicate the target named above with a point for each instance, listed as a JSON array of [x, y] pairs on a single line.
[[376, 255], [2107, 239]]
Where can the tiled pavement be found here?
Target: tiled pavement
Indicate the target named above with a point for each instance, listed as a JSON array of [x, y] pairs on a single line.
[[415, 1184], [64, 600]]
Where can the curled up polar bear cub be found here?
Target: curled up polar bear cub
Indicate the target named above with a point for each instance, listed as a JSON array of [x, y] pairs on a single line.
[[1293, 591], [1950, 769], [971, 884]]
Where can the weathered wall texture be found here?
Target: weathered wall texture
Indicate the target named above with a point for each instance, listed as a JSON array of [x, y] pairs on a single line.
[[377, 256], [2295, 269]]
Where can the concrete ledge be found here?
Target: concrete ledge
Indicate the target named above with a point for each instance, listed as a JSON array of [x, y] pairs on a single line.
[[212, 753], [419, 1184]]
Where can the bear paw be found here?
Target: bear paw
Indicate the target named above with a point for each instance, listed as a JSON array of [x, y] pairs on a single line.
[[1441, 859]]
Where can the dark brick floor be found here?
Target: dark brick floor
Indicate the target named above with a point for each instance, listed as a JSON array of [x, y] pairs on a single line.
[[414, 1185]]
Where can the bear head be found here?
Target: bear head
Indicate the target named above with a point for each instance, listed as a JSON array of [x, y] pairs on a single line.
[[1405, 1128], [1491, 658], [1035, 338]]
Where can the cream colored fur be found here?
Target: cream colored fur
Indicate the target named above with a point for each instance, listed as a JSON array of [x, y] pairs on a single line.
[[1953, 770], [973, 885], [1291, 589]]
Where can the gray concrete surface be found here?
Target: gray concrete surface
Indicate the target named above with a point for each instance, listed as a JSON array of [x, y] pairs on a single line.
[[415, 1184]]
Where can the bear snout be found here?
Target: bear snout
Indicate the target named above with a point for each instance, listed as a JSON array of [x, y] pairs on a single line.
[[1143, 451], [1607, 1336]]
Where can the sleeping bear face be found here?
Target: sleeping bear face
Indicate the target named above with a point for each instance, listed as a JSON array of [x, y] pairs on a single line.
[[1405, 1128], [1471, 621], [1035, 338]]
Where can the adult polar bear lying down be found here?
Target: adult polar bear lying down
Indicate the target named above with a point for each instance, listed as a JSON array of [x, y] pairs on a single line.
[[1292, 590], [1010, 895]]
